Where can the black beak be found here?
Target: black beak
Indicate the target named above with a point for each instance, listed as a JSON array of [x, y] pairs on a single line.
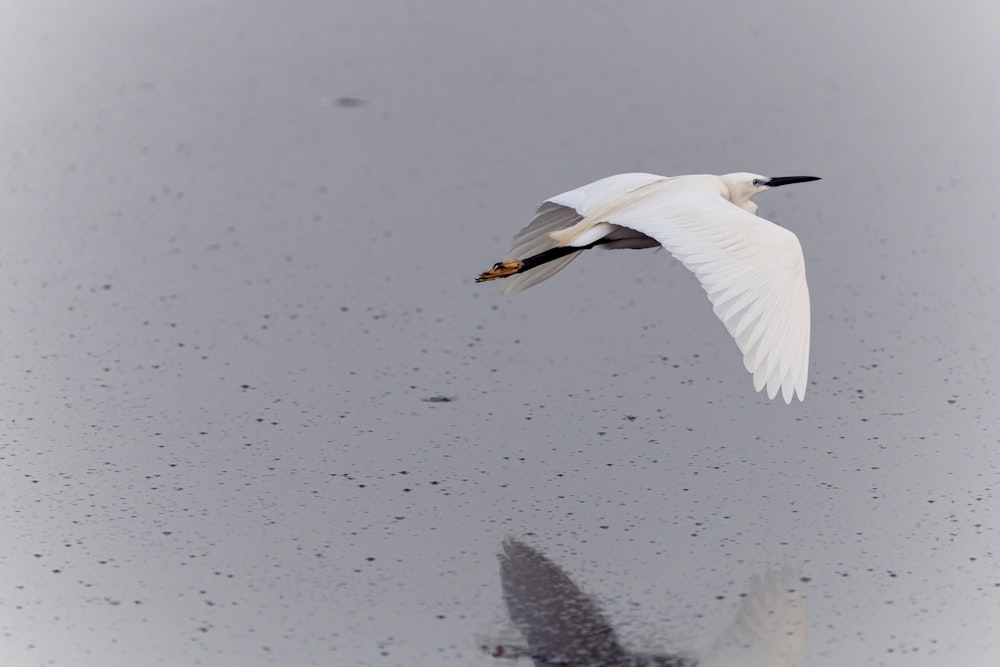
[[788, 180]]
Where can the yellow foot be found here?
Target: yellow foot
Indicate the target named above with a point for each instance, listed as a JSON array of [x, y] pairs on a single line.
[[508, 267]]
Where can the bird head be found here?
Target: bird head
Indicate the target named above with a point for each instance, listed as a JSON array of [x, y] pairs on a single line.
[[743, 185]]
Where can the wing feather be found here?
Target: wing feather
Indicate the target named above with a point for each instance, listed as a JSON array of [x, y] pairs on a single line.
[[534, 238], [751, 269]]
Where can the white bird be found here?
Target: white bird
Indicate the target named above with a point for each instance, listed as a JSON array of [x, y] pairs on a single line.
[[751, 268]]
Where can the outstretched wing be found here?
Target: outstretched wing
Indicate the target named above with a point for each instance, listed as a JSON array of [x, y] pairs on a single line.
[[558, 213], [769, 629], [752, 270]]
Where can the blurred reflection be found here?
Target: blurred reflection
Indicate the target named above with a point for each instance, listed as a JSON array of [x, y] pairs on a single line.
[[565, 627]]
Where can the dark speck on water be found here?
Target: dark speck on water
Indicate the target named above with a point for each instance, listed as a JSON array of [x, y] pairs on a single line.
[[438, 399], [349, 102]]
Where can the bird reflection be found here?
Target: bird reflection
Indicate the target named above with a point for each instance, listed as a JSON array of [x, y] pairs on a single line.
[[564, 627]]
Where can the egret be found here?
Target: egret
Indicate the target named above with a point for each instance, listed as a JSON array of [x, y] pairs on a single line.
[[562, 625], [751, 268]]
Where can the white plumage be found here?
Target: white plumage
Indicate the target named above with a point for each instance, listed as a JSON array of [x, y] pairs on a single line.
[[751, 269]]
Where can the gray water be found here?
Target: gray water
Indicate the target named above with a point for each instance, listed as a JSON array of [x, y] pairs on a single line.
[[237, 261]]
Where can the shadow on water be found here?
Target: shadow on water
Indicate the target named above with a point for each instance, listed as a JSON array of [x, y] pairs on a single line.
[[563, 626]]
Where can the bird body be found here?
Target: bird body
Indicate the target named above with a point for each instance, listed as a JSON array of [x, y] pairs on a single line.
[[752, 269]]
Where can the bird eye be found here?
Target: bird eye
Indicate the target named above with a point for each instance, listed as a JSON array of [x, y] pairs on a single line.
[[756, 182]]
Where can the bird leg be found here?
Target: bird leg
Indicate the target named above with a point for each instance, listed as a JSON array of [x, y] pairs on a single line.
[[509, 267]]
